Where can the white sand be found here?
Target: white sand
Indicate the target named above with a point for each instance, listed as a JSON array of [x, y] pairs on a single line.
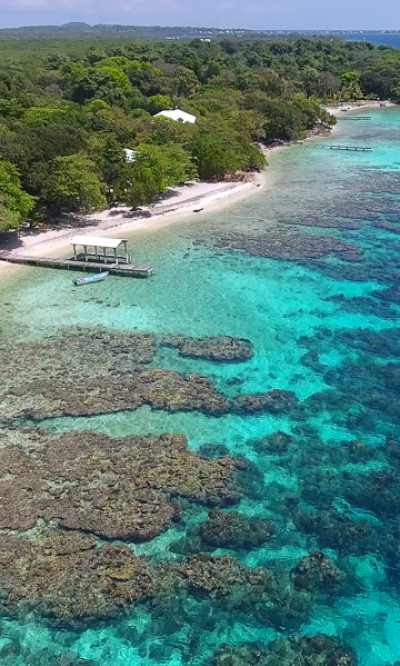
[[180, 204], [359, 105]]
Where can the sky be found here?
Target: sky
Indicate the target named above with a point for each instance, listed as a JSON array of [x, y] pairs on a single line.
[[253, 14]]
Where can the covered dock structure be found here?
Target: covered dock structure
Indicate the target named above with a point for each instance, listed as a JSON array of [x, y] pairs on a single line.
[[97, 254], [99, 249]]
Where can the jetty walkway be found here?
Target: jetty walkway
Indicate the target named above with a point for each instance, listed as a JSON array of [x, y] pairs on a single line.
[[73, 264], [362, 149]]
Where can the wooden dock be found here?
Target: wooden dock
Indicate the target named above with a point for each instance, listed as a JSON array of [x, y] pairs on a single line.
[[72, 264], [356, 149], [356, 118]]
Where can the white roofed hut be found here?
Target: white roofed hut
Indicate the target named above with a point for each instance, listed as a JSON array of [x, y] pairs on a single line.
[[96, 248], [178, 115], [130, 155]]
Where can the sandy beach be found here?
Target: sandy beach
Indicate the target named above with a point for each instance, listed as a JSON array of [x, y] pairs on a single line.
[[181, 203], [355, 106]]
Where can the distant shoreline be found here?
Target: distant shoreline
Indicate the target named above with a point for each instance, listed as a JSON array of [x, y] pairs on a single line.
[[359, 105]]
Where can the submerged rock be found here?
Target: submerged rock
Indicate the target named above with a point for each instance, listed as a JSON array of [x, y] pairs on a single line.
[[160, 389], [326, 223], [266, 596], [113, 488], [279, 243], [273, 402], [378, 492], [73, 581], [248, 480], [235, 530], [276, 444], [319, 650], [364, 304], [76, 352], [191, 544], [222, 348], [333, 529], [392, 449], [213, 451], [317, 572], [85, 584]]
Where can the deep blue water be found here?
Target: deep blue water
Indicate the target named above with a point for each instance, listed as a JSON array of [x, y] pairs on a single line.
[[375, 38], [325, 327]]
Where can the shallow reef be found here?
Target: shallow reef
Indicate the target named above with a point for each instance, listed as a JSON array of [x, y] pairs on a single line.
[[70, 580], [326, 223], [333, 529], [160, 389], [317, 572], [234, 530], [280, 243], [74, 351], [114, 488], [58, 376], [317, 650], [271, 535], [221, 349]]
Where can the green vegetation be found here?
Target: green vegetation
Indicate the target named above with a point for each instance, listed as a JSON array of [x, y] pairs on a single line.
[[68, 109], [15, 204]]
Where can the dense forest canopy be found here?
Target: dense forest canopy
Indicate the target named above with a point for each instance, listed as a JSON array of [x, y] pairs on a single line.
[[67, 114]]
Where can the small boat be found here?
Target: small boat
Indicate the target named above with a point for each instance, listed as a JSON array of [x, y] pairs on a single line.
[[197, 210], [88, 279]]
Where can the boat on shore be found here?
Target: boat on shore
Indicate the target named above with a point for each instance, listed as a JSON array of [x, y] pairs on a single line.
[[88, 279]]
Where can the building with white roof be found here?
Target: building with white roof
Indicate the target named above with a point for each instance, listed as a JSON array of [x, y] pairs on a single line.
[[130, 155], [178, 115]]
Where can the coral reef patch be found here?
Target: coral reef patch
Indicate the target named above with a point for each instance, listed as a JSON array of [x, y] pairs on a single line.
[[317, 650], [112, 488], [220, 349], [160, 389], [279, 243], [234, 530]]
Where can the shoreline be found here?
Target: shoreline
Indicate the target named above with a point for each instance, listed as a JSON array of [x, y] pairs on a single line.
[[189, 198], [357, 106], [183, 202]]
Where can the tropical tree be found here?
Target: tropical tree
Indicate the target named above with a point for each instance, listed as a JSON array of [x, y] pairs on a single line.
[[159, 103], [186, 83], [108, 154], [215, 155], [15, 204], [72, 183], [153, 171]]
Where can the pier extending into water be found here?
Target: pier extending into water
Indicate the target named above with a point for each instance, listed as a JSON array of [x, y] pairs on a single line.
[[73, 264], [95, 257], [361, 149], [356, 118]]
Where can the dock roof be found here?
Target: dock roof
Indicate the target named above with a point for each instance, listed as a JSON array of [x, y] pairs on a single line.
[[98, 241]]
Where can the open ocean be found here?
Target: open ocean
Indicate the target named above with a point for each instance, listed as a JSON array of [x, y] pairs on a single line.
[[308, 270], [375, 38]]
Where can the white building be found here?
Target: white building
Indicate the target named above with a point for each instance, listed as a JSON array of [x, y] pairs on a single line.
[[178, 115], [130, 155]]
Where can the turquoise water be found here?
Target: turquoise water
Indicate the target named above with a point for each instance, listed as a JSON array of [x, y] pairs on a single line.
[[324, 328]]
